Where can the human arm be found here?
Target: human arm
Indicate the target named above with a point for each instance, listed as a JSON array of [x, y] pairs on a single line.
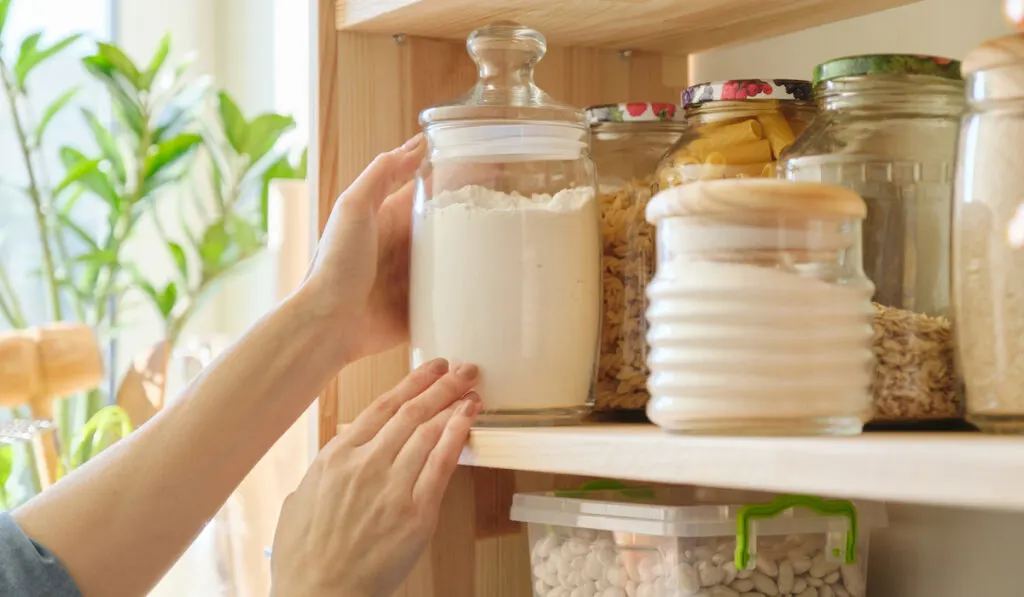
[[119, 522]]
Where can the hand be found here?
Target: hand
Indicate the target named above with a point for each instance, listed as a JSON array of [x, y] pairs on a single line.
[[360, 272], [369, 504]]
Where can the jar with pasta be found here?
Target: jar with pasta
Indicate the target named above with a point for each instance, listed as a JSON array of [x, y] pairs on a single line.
[[737, 129], [886, 128], [627, 142]]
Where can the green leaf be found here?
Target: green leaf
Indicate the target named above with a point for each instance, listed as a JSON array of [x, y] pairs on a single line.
[[93, 179], [105, 141], [282, 169], [178, 255], [32, 56], [5, 7], [171, 151], [213, 247], [246, 236], [110, 423], [99, 257], [166, 300], [6, 450], [122, 92], [121, 63], [182, 110], [157, 62], [52, 110], [27, 57], [231, 118], [84, 236], [264, 132], [75, 173]]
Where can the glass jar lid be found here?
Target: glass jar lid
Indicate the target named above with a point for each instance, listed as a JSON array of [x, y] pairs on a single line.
[[887, 64], [505, 54], [747, 89], [634, 112], [754, 197]]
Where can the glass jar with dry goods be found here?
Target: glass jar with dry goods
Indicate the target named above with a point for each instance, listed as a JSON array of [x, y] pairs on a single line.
[[886, 128], [760, 313], [506, 262], [988, 237], [627, 141], [737, 129]]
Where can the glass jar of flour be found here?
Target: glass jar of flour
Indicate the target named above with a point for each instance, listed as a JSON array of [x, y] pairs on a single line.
[[506, 249]]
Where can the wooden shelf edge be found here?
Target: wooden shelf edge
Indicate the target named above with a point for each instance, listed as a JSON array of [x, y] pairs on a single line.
[[669, 26], [947, 469]]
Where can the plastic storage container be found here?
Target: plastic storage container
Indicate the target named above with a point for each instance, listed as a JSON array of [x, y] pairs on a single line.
[[505, 269], [760, 314], [737, 129], [988, 239], [886, 128], [627, 141], [642, 542]]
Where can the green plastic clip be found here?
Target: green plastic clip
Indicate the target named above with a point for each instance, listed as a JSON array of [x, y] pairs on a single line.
[[823, 507], [633, 493]]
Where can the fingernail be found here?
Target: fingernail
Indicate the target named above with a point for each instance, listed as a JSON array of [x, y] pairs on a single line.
[[467, 371], [413, 143], [438, 366], [471, 404]]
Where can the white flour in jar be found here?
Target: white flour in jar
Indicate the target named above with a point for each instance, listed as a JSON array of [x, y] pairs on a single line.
[[740, 342], [512, 284]]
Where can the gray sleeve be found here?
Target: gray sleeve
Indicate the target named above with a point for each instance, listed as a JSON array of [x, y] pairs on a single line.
[[28, 569]]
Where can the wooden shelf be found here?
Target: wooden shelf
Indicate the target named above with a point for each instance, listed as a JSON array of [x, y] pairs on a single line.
[[672, 26], [951, 469]]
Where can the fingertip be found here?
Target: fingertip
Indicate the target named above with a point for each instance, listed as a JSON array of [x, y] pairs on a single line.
[[467, 371], [413, 143], [438, 366], [471, 405]]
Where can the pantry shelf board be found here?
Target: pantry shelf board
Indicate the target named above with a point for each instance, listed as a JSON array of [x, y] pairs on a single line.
[[950, 469], [670, 26]]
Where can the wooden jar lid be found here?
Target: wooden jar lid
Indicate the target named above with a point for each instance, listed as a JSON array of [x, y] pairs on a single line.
[[757, 197], [995, 53], [995, 69]]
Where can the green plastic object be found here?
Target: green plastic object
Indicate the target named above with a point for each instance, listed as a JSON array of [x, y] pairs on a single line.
[[823, 507], [634, 493]]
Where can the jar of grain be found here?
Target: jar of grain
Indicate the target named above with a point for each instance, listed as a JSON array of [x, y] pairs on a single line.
[[505, 265], [737, 129], [760, 313], [988, 237], [886, 128], [627, 141]]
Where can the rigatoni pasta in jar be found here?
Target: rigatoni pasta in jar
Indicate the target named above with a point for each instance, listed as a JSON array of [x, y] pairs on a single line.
[[737, 129]]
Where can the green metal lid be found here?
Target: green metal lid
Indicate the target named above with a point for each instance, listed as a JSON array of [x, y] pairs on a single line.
[[888, 64]]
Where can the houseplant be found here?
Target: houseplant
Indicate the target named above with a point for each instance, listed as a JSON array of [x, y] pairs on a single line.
[[167, 126]]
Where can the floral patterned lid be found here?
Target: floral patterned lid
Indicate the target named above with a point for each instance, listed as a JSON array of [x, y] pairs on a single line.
[[748, 89], [634, 112], [887, 64]]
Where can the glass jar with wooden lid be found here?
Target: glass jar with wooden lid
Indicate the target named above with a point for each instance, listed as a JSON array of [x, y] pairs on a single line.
[[760, 313]]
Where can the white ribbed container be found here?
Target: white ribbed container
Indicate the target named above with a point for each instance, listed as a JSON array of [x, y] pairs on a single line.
[[760, 313]]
